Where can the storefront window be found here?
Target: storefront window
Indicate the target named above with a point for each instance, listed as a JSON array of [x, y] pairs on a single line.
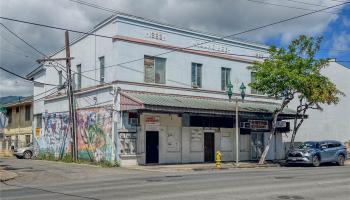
[[128, 143]]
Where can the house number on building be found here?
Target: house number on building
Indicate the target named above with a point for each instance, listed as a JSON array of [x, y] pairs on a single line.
[[155, 35]]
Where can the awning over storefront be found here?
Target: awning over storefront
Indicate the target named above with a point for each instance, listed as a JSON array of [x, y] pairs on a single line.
[[172, 103]]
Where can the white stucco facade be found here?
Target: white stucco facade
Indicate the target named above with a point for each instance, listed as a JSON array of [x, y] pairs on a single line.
[[110, 131], [333, 123]]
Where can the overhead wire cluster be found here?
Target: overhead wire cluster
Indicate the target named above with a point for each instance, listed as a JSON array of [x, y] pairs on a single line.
[[163, 53]]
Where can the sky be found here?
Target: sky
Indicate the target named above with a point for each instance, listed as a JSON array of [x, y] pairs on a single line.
[[223, 17]]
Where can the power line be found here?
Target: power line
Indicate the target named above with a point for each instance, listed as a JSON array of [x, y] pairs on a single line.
[[306, 3], [45, 56], [6, 70], [285, 6], [14, 45], [209, 41], [20, 38], [17, 53], [179, 48]]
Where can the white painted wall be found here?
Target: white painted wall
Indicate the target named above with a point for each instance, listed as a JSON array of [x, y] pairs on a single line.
[[334, 121]]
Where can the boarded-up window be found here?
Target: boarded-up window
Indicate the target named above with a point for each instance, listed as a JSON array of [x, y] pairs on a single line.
[[154, 69]]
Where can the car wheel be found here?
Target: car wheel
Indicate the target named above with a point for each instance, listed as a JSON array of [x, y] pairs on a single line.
[[316, 161], [341, 160], [27, 155], [19, 157]]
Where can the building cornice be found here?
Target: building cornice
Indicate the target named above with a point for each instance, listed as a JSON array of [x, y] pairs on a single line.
[[181, 49]]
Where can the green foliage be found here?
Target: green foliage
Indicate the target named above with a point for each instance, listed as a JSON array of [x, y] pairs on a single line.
[[292, 71], [287, 71], [68, 159]]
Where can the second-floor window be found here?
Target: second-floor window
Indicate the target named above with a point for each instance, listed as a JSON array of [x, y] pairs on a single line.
[[225, 77], [252, 80], [27, 114], [9, 115], [78, 77], [60, 76], [154, 69], [39, 121], [102, 69], [196, 75]]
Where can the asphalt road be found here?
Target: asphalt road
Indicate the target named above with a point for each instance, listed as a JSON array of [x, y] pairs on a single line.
[[53, 180]]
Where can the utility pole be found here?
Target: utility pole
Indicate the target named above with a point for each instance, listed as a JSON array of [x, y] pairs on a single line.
[[70, 95], [237, 134]]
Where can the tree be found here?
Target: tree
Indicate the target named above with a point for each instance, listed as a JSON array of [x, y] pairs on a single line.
[[284, 74], [318, 90]]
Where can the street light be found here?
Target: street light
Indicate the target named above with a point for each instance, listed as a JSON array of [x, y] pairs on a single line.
[[242, 89]]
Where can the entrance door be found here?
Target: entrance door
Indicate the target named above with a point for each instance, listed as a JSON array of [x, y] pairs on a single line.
[[152, 147], [257, 139], [209, 147]]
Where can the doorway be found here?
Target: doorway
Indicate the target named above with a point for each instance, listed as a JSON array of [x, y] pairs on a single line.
[[257, 139], [152, 147], [209, 147]]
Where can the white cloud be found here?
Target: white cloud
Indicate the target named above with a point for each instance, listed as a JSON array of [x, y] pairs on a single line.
[[223, 17], [340, 42], [11, 86]]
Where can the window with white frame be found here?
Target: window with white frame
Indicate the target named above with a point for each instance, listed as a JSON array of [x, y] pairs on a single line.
[[78, 74], [252, 80], [60, 76], [102, 69], [196, 75], [225, 77], [154, 69]]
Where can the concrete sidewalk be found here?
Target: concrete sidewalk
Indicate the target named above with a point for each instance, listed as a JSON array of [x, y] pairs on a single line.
[[198, 167], [6, 175], [206, 166]]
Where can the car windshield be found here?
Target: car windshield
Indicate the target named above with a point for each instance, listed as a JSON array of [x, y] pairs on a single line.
[[308, 145]]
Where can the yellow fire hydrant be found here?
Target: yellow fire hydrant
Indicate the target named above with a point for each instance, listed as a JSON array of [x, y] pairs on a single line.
[[218, 159]]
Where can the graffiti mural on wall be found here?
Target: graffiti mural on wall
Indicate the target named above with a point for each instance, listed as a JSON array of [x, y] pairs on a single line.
[[55, 137], [94, 129]]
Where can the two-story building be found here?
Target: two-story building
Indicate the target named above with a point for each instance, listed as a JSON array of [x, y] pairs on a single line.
[[141, 97], [18, 132]]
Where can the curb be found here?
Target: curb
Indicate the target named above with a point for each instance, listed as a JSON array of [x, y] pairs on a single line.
[[7, 175], [200, 168], [347, 163]]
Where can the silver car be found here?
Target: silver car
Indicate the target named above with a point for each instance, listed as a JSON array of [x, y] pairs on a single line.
[[315, 153], [24, 152]]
